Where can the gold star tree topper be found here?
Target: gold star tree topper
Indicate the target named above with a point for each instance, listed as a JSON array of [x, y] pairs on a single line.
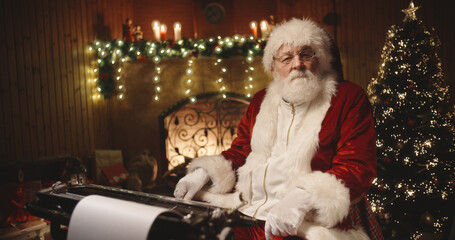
[[410, 12]]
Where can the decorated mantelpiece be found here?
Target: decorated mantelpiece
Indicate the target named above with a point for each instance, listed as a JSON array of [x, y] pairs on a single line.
[[112, 55], [141, 82]]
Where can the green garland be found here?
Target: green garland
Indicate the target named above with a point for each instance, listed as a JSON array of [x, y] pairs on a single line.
[[112, 53]]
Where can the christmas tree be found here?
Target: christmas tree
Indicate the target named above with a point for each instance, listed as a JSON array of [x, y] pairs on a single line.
[[413, 194]]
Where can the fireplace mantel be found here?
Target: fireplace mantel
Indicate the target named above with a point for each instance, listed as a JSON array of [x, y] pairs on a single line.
[[135, 118]]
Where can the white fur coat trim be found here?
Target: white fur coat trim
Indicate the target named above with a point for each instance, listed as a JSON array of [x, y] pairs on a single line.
[[302, 149], [312, 231], [219, 170], [327, 195]]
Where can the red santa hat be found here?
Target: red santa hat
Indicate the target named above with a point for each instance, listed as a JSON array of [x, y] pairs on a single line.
[[299, 32]]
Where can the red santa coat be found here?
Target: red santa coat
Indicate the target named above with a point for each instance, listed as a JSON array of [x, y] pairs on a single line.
[[337, 172], [347, 140]]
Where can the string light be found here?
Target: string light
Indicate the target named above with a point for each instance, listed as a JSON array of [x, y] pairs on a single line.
[[110, 55]]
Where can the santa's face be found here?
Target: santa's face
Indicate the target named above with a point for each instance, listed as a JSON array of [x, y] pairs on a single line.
[[296, 69], [289, 58]]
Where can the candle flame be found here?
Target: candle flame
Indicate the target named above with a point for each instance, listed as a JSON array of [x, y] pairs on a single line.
[[155, 24]]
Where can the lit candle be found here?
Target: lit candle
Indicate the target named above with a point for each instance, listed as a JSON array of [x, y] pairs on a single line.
[[264, 29], [156, 29], [177, 31], [163, 31], [254, 28]]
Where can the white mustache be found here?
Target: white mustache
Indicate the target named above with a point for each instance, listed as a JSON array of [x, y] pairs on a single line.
[[298, 74]]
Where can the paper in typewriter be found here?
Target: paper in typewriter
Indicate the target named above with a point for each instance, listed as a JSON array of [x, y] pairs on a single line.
[[98, 217]]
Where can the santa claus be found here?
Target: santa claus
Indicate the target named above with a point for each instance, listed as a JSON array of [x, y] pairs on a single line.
[[305, 154]]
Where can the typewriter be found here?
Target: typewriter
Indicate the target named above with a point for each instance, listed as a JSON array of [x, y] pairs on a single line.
[[195, 220]]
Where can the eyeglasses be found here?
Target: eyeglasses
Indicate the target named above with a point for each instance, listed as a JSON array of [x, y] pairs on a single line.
[[304, 55]]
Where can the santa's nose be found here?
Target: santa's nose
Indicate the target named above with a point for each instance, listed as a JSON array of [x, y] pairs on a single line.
[[297, 63]]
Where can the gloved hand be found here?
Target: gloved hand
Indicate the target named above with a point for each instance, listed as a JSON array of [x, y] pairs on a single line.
[[286, 216], [189, 185]]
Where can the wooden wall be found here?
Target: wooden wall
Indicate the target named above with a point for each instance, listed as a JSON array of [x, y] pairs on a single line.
[[46, 104]]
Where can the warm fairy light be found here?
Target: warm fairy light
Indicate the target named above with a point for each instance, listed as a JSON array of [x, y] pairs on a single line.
[[156, 59], [111, 54]]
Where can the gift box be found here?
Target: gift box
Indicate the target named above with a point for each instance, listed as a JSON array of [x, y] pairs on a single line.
[[115, 174]]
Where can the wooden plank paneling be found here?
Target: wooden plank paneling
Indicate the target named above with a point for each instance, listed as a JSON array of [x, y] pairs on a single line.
[[66, 77], [19, 85], [58, 61], [76, 113], [73, 78], [29, 82], [46, 103], [36, 104], [6, 132], [88, 79], [81, 100], [43, 76], [51, 63]]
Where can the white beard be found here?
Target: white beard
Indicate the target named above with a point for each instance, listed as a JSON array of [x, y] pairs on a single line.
[[299, 86]]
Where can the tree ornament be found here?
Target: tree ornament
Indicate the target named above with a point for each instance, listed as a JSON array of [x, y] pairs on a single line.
[[436, 182], [427, 218], [410, 12], [387, 160]]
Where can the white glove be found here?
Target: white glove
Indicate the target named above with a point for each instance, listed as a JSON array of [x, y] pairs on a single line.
[[189, 185], [286, 216]]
